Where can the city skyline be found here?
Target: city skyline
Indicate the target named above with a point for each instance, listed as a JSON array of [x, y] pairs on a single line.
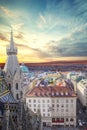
[[44, 30]]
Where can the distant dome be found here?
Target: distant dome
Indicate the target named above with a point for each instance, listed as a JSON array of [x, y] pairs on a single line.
[[24, 68]]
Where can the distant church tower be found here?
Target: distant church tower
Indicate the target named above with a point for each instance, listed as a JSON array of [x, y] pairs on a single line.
[[12, 70]]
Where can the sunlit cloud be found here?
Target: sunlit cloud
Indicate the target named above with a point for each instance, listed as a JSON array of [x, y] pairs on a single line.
[[17, 26], [3, 37], [6, 11]]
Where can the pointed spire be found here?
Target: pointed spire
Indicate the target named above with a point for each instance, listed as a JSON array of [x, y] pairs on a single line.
[[11, 49], [11, 40]]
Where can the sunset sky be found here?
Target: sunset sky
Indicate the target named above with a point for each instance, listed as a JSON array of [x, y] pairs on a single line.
[[44, 30]]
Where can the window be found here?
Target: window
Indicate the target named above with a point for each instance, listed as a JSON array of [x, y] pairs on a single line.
[[52, 101], [34, 110], [71, 119], [43, 110], [38, 100], [67, 101], [57, 100], [47, 101], [66, 110], [9, 86], [48, 105], [43, 114], [67, 119], [57, 110], [67, 105], [43, 101], [52, 105], [29, 105], [62, 110], [34, 101], [34, 105], [38, 105], [16, 86], [53, 119], [43, 105], [29, 100], [62, 105], [57, 105], [71, 100], [17, 96], [48, 114]]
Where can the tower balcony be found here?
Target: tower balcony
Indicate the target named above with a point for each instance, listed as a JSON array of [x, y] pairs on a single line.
[[11, 51]]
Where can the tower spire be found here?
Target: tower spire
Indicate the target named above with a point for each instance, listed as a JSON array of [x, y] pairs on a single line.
[[12, 61], [11, 40], [11, 49]]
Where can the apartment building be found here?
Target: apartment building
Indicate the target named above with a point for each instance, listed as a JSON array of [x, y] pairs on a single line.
[[57, 104], [82, 91]]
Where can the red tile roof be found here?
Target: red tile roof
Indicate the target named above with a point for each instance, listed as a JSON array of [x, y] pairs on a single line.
[[51, 91]]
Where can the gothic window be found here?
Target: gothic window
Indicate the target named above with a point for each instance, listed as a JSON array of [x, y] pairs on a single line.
[[17, 96], [16, 86], [9, 86]]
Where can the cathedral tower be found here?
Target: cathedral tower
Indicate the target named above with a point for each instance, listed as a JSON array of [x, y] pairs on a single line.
[[12, 70]]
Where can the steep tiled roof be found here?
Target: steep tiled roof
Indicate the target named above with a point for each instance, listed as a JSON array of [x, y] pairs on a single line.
[[5, 94], [51, 91], [7, 97]]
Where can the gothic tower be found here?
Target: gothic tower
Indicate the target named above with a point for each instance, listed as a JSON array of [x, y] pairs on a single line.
[[12, 70]]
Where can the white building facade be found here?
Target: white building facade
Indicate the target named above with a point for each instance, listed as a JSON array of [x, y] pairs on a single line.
[[82, 91], [57, 105]]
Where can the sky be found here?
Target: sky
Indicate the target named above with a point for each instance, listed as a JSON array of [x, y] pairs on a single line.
[[44, 30]]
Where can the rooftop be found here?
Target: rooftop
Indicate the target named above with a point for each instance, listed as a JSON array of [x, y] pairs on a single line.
[[51, 91]]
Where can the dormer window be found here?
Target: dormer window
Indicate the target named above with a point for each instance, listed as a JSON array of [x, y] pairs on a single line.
[[66, 93], [62, 93], [52, 94], [57, 93]]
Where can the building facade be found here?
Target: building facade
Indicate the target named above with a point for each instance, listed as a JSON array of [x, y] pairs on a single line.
[[82, 91], [57, 105]]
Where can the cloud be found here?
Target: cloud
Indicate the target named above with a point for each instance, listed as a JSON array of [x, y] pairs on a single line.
[[43, 19], [32, 52], [2, 37], [19, 35], [17, 26], [74, 44], [6, 11], [63, 49], [40, 53]]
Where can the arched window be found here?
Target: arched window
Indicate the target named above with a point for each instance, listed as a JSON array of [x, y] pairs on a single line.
[[16, 86], [17, 96], [9, 86]]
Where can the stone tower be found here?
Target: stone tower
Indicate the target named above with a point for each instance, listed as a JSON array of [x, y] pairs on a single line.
[[12, 70]]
